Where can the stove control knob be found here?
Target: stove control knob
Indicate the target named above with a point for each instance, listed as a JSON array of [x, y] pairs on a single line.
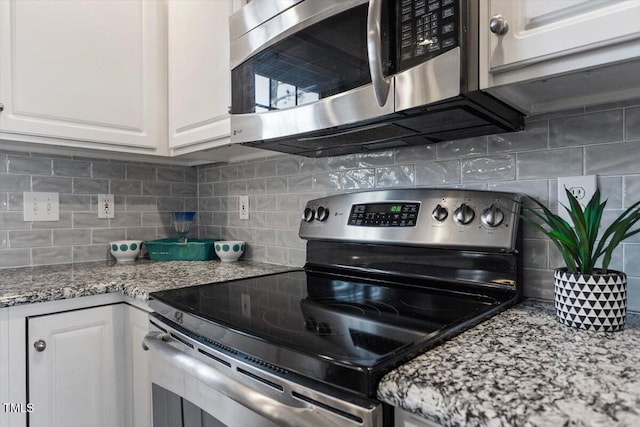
[[322, 214], [440, 213], [308, 215], [464, 214], [492, 216]]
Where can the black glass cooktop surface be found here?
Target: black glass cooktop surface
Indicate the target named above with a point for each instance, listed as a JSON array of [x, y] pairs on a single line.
[[339, 319]]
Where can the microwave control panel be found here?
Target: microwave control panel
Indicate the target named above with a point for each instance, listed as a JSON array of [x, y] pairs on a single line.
[[426, 28]]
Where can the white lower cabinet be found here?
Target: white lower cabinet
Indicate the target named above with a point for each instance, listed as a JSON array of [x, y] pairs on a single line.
[[138, 403], [4, 366], [76, 362], [77, 368]]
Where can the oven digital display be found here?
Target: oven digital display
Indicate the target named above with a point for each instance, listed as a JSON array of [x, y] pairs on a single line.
[[384, 214]]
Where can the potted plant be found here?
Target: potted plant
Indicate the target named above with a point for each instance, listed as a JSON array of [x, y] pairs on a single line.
[[586, 296]]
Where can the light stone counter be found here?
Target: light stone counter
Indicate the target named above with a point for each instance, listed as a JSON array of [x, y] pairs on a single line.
[[522, 368], [49, 283]]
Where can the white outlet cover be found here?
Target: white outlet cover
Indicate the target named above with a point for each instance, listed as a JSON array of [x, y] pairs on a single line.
[[41, 206], [243, 207], [583, 187], [106, 206]]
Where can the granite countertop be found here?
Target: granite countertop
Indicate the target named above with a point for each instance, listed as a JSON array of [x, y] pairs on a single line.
[[523, 368], [49, 283], [519, 368]]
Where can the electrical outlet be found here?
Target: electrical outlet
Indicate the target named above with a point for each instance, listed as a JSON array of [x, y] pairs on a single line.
[[243, 206], [41, 206], [582, 187], [106, 206]]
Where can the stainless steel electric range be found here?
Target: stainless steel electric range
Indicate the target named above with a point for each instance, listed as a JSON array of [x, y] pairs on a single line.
[[389, 274]]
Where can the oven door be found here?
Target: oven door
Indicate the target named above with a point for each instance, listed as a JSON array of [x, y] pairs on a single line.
[[317, 65], [198, 385]]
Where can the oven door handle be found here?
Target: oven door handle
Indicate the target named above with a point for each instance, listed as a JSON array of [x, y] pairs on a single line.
[[267, 407], [381, 85]]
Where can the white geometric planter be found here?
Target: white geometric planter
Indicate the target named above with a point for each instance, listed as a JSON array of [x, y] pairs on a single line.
[[594, 302]]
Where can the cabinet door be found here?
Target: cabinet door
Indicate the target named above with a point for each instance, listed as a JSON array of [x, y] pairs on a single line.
[[138, 380], [4, 366], [78, 380], [82, 73], [199, 75], [541, 31]]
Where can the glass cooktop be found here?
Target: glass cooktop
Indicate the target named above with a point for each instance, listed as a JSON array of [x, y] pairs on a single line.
[[339, 319]]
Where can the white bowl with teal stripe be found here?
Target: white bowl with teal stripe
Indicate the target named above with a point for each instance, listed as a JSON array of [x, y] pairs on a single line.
[[125, 250], [229, 250]]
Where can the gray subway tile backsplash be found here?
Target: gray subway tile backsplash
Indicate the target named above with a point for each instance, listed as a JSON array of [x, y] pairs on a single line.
[[74, 168], [433, 174], [549, 163], [28, 165], [631, 190], [108, 170], [395, 176], [15, 257], [15, 182], [29, 238], [536, 137], [586, 129], [52, 255], [462, 148], [613, 159], [359, 179], [141, 173], [603, 141], [632, 124], [499, 167], [50, 184], [90, 186]]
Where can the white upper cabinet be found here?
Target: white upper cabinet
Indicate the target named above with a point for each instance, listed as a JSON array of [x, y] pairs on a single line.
[[83, 73], [198, 74], [557, 38]]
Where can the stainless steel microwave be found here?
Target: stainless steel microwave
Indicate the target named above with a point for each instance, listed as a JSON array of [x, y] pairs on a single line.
[[328, 77]]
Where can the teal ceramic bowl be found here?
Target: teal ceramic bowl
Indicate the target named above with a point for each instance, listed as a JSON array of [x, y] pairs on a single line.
[[125, 250], [229, 250]]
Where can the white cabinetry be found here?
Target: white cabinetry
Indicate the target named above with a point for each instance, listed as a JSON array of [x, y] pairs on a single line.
[[564, 52], [91, 372], [79, 378], [4, 365], [87, 74], [137, 376], [199, 76]]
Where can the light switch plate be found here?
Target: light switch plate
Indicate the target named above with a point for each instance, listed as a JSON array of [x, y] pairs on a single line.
[[582, 187], [41, 206]]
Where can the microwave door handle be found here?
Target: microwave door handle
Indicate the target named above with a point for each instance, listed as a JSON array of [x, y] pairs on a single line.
[[381, 85]]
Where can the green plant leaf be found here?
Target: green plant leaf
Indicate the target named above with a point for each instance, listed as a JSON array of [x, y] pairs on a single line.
[[580, 226], [617, 232], [579, 245]]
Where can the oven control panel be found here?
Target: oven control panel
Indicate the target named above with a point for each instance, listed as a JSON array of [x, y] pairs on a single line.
[[384, 214], [452, 218]]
